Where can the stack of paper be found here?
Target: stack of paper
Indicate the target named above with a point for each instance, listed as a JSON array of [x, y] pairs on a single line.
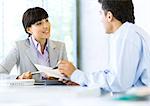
[[23, 82]]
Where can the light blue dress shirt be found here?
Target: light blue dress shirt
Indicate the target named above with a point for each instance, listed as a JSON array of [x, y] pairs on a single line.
[[43, 59], [129, 62]]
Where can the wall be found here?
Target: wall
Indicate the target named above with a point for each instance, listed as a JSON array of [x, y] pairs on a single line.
[[142, 14], [93, 41]]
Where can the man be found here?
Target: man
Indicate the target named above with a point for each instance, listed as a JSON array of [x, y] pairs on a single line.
[[129, 64]]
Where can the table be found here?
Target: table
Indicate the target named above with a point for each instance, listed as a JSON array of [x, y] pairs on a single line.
[[58, 96]]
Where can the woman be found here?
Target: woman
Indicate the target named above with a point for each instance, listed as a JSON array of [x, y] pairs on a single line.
[[36, 49]]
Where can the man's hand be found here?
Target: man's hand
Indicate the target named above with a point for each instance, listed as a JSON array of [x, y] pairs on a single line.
[[66, 68], [26, 75]]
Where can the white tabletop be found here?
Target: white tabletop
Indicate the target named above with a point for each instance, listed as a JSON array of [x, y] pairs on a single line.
[[57, 96]]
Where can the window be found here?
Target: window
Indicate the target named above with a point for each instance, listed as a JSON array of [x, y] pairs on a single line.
[[62, 15]]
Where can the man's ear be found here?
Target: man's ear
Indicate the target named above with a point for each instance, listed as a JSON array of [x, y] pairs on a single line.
[[109, 16]]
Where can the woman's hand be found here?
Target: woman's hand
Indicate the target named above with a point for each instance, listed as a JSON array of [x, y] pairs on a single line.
[[26, 75]]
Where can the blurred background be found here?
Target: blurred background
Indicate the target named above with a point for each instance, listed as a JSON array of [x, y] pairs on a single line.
[[75, 22]]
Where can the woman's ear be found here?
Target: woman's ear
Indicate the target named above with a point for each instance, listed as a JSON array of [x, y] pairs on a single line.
[[29, 30], [109, 16]]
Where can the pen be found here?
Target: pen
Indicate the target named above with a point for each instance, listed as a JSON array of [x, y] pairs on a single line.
[[56, 67]]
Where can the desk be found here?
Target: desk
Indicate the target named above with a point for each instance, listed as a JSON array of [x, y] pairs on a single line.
[[57, 96]]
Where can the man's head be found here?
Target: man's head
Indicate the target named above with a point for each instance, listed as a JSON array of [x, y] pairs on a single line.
[[116, 11]]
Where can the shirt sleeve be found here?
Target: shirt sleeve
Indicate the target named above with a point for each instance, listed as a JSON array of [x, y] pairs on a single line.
[[95, 79], [122, 70], [116, 78]]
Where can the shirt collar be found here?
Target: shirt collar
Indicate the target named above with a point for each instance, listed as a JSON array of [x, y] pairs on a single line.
[[120, 30], [36, 44]]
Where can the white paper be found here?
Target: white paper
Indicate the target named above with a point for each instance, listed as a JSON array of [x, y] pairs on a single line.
[[49, 71]]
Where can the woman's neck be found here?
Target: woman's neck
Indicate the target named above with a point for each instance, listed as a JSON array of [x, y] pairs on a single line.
[[43, 44]]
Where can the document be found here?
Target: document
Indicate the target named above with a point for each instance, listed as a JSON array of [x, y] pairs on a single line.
[[49, 71]]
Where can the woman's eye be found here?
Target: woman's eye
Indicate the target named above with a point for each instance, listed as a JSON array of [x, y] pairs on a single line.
[[47, 20], [38, 23]]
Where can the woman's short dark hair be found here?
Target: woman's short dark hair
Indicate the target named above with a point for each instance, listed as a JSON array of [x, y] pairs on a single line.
[[122, 10], [33, 15]]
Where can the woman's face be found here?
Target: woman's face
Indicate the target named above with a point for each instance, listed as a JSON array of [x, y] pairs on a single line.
[[40, 30]]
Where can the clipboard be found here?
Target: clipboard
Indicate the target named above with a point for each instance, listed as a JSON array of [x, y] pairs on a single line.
[[48, 82]]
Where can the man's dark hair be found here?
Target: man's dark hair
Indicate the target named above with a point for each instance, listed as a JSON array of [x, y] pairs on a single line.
[[33, 15], [122, 10]]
